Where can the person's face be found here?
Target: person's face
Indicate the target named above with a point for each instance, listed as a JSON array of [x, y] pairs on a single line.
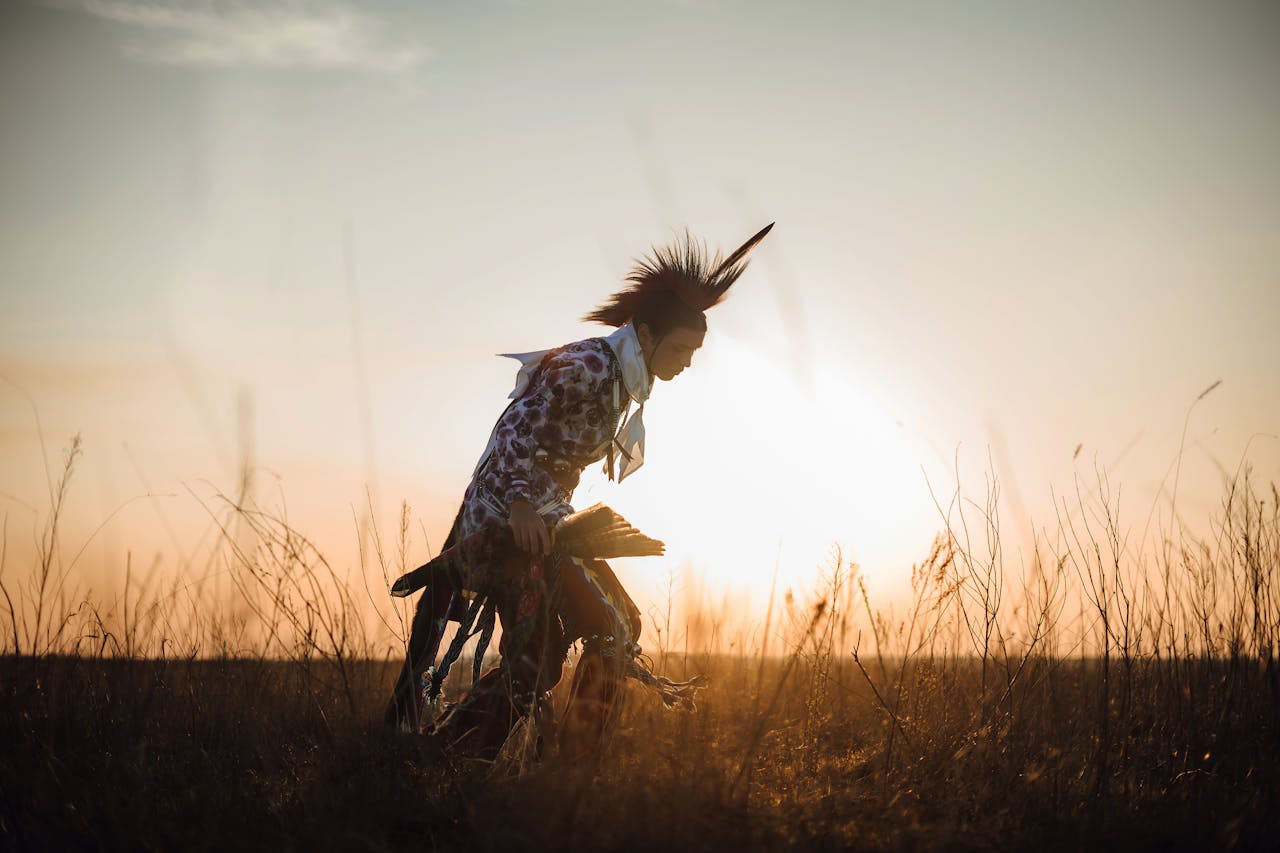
[[669, 355]]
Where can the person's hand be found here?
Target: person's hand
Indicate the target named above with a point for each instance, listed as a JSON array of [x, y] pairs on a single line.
[[528, 528]]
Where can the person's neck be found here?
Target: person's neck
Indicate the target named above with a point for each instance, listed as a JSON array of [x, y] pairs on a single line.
[[647, 353], [647, 350]]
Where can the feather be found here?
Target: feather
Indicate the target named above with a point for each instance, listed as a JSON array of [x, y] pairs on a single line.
[[595, 533], [683, 266], [598, 532], [745, 249]]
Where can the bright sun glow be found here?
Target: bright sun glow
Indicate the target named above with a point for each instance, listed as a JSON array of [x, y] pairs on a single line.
[[749, 468]]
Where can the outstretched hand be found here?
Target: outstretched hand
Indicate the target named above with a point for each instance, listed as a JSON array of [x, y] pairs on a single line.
[[528, 528]]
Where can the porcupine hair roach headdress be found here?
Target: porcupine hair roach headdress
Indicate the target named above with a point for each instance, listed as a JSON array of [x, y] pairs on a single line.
[[676, 281]]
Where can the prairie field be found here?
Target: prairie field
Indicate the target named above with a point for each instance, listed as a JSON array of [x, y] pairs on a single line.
[[258, 754], [1088, 696], [919, 352]]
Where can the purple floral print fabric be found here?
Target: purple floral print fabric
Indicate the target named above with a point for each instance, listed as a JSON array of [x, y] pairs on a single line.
[[564, 421]]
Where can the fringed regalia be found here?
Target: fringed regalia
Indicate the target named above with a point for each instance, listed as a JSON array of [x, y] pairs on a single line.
[[571, 407]]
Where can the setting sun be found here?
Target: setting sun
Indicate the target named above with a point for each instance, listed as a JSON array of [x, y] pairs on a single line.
[[749, 466], [967, 499]]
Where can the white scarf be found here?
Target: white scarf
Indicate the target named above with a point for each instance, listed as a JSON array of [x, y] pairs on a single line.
[[635, 376]]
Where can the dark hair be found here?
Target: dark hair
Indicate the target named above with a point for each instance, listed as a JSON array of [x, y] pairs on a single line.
[[664, 310], [698, 280]]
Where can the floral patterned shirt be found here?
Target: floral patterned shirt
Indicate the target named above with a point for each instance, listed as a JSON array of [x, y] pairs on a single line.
[[564, 421]]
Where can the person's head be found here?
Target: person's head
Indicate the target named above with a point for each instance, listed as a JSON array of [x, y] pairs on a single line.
[[670, 331], [667, 293]]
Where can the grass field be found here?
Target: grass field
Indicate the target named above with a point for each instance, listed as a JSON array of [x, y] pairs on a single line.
[[256, 754], [1093, 698]]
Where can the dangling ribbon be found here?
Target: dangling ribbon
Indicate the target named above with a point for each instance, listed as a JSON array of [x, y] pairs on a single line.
[[629, 442]]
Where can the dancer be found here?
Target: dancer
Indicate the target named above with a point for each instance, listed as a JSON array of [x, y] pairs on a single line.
[[571, 407]]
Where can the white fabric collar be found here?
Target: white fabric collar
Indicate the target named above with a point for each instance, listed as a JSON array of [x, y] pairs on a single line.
[[635, 373], [625, 345]]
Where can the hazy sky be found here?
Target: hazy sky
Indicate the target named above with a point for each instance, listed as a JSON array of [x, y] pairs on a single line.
[[296, 233]]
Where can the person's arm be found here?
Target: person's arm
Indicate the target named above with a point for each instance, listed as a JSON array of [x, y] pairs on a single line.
[[533, 420]]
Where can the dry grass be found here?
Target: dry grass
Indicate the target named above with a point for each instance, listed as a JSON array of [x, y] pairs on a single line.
[[1098, 694]]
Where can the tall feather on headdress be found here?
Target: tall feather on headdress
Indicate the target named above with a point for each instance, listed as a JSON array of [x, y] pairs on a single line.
[[683, 267]]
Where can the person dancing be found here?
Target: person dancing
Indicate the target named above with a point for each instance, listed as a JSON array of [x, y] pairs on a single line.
[[571, 407]]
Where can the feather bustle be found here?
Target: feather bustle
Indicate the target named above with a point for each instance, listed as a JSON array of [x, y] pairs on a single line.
[[599, 532]]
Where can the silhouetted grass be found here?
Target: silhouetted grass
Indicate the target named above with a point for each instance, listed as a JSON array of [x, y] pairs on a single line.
[[1099, 695], [255, 754]]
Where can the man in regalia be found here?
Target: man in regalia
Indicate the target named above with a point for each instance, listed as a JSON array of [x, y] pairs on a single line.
[[571, 407]]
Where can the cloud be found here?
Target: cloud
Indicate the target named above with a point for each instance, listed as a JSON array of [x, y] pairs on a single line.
[[295, 35]]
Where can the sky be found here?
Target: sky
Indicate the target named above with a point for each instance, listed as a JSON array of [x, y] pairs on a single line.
[[1014, 239]]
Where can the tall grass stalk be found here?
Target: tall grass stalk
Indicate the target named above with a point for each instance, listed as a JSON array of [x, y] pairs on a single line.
[[1099, 693]]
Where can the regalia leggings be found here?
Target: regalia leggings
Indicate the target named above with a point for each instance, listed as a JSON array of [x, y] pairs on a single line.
[[544, 604]]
